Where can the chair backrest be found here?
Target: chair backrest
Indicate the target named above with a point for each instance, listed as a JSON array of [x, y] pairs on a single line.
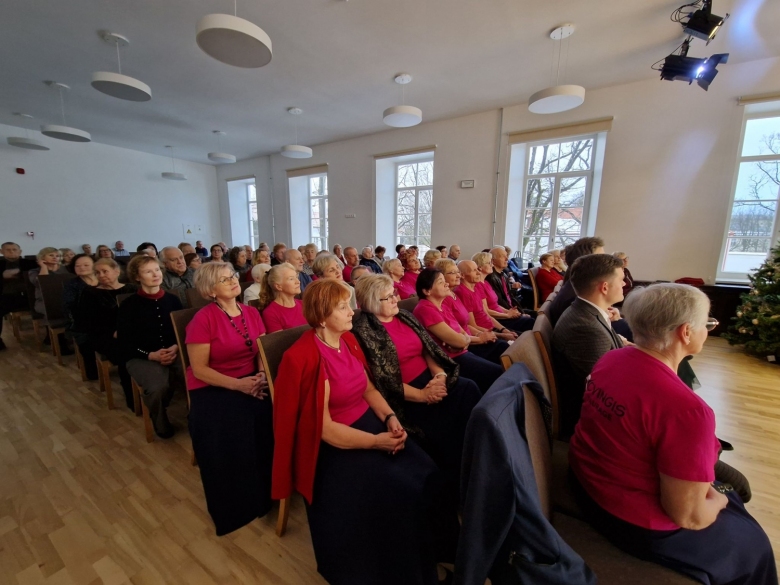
[[30, 292], [545, 306], [525, 350], [532, 277], [194, 299], [272, 348], [551, 297], [244, 285], [543, 331], [180, 320], [539, 447], [408, 304], [51, 290], [255, 303]]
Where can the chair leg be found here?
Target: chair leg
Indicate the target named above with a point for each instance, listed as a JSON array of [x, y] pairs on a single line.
[[104, 375], [16, 325], [55, 345], [284, 515], [37, 331], [148, 427], [137, 399], [80, 362]]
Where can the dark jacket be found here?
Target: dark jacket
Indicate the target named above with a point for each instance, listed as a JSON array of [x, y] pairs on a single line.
[[561, 302], [305, 280], [179, 284], [382, 357], [23, 264], [372, 265], [505, 535], [579, 340], [97, 311], [497, 281], [144, 325]]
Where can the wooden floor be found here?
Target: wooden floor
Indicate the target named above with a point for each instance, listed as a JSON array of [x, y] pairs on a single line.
[[85, 500]]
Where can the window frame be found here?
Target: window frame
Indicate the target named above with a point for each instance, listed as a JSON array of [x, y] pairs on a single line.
[[765, 111], [323, 198], [588, 199], [416, 190], [252, 223]]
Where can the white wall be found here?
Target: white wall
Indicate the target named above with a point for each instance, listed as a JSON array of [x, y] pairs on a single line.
[[93, 193]]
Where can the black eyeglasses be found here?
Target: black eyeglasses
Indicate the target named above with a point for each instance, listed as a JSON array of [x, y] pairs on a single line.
[[711, 324], [393, 295]]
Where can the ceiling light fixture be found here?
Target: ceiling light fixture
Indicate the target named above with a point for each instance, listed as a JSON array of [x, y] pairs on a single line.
[[683, 68], [221, 157], [173, 176], [26, 142], [63, 132], [402, 116], [118, 85], [233, 40], [296, 150], [558, 98]]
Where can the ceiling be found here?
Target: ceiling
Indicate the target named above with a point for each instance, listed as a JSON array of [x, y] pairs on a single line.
[[333, 58]]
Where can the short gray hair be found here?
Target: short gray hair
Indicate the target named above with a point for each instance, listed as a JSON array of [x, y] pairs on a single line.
[[165, 250], [321, 262], [482, 259], [207, 277], [431, 255], [369, 289], [653, 313], [443, 264], [389, 265]]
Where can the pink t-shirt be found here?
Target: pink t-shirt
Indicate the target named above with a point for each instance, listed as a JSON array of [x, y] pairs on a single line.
[[472, 300], [347, 380], [409, 348], [429, 315], [490, 295], [229, 354], [411, 278], [277, 318], [347, 273], [638, 420], [455, 308], [404, 288]]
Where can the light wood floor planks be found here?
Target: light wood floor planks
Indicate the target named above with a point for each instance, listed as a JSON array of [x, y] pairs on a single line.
[[84, 500]]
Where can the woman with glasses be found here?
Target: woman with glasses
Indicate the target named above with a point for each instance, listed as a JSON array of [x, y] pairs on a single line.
[[644, 452], [395, 270], [230, 411], [216, 254]]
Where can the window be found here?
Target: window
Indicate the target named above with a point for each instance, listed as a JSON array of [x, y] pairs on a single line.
[[318, 210], [254, 228], [557, 187], [752, 224], [414, 203]]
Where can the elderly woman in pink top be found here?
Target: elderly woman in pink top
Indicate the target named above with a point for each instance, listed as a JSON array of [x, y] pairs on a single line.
[[395, 270], [510, 318], [278, 305]]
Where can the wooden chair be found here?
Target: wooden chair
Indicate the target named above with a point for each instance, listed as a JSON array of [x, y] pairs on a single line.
[[272, 348], [140, 404], [532, 277], [15, 318], [194, 299], [244, 285], [543, 334], [51, 289], [104, 378], [408, 304], [545, 307], [37, 318], [180, 321], [80, 362]]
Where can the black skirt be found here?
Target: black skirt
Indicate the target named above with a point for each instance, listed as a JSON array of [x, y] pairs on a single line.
[[232, 435], [369, 513]]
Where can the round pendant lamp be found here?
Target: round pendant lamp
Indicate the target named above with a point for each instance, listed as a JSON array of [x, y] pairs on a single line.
[[402, 116], [558, 98], [173, 175], [296, 150], [221, 157], [25, 141], [118, 85], [233, 40], [63, 131]]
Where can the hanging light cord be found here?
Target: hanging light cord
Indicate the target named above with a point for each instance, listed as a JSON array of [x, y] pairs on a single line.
[[118, 60]]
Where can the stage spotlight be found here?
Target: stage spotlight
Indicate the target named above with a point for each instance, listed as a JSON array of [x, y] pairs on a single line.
[[683, 68], [707, 71], [703, 24]]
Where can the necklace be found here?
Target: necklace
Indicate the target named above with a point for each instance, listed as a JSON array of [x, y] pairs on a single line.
[[245, 334], [338, 349]]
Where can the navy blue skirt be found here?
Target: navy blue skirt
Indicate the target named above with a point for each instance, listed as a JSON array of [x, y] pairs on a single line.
[[233, 438], [369, 513], [479, 369]]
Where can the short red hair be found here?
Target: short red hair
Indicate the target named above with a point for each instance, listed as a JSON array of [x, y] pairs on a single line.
[[321, 298]]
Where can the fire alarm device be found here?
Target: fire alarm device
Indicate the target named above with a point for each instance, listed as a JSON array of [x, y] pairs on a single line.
[[19, 171]]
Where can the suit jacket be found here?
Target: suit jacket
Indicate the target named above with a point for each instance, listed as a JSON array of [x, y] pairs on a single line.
[[505, 535], [499, 282], [579, 340], [561, 302]]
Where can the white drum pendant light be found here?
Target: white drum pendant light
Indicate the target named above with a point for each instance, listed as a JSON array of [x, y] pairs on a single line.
[[173, 175], [118, 85], [26, 142], [221, 157], [296, 150], [402, 116], [63, 132], [233, 40], [558, 98]]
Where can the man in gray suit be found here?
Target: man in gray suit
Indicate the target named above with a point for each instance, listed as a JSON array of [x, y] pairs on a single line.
[[584, 332]]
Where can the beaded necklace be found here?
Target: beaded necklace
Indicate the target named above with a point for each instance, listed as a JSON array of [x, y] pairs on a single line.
[[245, 334]]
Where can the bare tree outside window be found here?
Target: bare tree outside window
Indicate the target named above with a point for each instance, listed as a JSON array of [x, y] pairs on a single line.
[[254, 228], [318, 211], [558, 184], [414, 204]]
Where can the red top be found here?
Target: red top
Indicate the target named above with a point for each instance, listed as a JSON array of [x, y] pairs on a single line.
[[411, 278], [546, 281], [638, 420], [347, 273], [299, 403], [472, 300], [429, 315], [347, 380], [490, 295], [409, 348], [229, 354], [405, 288], [277, 318]]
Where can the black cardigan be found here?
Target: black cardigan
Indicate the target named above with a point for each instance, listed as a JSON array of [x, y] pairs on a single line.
[[144, 325]]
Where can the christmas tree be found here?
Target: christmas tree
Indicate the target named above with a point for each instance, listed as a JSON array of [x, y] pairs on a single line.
[[757, 323]]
